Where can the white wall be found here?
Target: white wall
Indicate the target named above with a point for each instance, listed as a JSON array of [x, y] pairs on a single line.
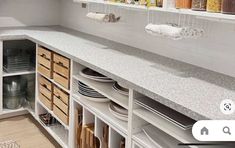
[[29, 12], [215, 51]]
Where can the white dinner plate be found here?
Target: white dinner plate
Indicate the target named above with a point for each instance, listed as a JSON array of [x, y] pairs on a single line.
[[100, 100], [119, 109], [119, 89], [118, 115], [95, 78]]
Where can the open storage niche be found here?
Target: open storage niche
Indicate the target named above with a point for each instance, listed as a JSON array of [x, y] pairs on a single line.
[[99, 109], [103, 88], [167, 130], [56, 129], [144, 116], [18, 57], [116, 140], [102, 132]]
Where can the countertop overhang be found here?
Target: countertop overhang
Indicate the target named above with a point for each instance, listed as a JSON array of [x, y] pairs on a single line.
[[190, 90]]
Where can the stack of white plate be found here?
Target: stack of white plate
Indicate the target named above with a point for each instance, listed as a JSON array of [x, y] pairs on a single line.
[[93, 75], [90, 93], [120, 89], [118, 111]]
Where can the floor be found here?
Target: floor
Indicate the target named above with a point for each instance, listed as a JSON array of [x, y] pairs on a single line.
[[26, 132]]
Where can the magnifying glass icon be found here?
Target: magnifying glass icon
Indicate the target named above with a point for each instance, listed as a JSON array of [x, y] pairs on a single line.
[[226, 130]]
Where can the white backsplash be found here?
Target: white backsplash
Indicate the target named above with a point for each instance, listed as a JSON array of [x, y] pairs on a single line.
[[215, 51], [29, 12]]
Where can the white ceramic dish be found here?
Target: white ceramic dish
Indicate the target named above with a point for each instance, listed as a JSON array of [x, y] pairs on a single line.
[[97, 96], [96, 78], [99, 100], [119, 109], [116, 88], [118, 115]]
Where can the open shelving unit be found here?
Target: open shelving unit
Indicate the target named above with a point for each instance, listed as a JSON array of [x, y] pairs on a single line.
[[199, 14], [98, 113], [24, 45], [5, 74]]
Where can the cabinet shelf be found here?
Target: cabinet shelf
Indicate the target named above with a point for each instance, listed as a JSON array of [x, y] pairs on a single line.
[[57, 84], [51, 112], [7, 111], [6, 74], [105, 89], [101, 110], [56, 133], [200, 14], [142, 139]]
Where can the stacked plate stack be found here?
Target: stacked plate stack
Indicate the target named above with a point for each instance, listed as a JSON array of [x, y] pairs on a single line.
[[120, 89], [90, 93], [16, 60], [118, 111], [93, 75]]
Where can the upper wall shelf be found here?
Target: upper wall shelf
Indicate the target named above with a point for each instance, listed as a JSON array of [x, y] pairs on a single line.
[[226, 18]]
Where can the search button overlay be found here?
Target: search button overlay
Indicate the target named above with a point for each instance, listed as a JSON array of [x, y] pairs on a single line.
[[214, 130]]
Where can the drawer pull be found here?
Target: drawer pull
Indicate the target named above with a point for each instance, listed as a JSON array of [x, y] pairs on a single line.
[[44, 85], [61, 64], [44, 56]]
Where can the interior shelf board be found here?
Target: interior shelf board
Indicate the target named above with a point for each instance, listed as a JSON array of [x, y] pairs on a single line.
[[101, 110], [141, 139], [5, 111], [106, 90], [184, 136], [123, 5], [57, 84], [6, 74], [51, 112], [201, 14], [62, 142]]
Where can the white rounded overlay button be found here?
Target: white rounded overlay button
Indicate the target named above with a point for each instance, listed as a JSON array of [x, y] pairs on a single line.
[[214, 130], [227, 107]]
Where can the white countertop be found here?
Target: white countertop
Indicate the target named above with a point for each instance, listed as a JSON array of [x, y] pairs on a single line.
[[193, 91]]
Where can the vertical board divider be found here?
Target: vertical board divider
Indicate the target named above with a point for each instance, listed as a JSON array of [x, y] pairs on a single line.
[[72, 142], [134, 123], [88, 117], [130, 114], [36, 83], [114, 138], [99, 124], [1, 79]]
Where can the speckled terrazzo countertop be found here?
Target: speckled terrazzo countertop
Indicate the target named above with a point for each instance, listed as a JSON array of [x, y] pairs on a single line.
[[193, 91]]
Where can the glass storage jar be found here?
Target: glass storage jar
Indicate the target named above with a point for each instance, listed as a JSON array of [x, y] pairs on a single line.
[[228, 6], [199, 5], [185, 4], [214, 5], [159, 3]]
